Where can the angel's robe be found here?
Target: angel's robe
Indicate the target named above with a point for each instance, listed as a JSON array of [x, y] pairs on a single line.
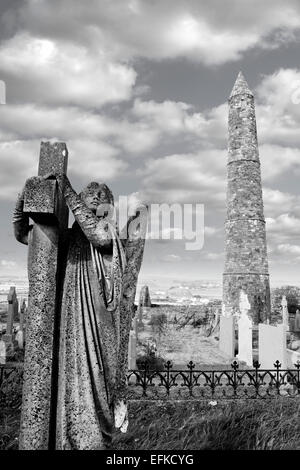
[[89, 343]]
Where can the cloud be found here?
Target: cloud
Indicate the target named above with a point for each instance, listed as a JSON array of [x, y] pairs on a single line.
[[282, 234], [277, 160], [212, 256], [18, 162], [52, 71], [286, 253], [211, 33], [190, 178], [278, 110], [90, 160], [290, 249], [278, 202], [8, 263], [171, 258]]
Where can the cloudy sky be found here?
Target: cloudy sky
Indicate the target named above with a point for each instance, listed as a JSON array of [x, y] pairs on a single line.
[[138, 90]]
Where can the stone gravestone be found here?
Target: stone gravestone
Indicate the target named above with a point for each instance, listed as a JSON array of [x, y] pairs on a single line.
[[20, 339], [140, 316], [44, 204], [272, 345], [22, 314], [132, 351], [145, 300], [297, 322], [227, 333], [216, 320], [245, 352], [135, 326], [2, 352], [12, 313], [285, 313]]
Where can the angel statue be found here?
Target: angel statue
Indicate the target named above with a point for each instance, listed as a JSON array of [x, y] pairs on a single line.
[[100, 278]]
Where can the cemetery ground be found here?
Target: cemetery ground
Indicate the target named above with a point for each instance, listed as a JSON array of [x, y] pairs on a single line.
[[183, 334], [199, 425]]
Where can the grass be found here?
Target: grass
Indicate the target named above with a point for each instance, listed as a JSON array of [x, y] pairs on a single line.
[[196, 425], [9, 429], [255, 425]]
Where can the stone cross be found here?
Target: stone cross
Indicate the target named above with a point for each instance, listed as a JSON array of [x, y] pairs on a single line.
[[46, 207], [285, 313]]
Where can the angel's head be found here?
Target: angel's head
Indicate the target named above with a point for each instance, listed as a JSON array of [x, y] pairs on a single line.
[[97, 197]]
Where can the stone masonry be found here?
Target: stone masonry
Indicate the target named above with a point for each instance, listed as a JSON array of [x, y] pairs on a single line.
[[246, 264]]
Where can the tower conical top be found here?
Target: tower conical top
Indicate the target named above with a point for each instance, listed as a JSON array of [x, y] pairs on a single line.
[[240, 86]]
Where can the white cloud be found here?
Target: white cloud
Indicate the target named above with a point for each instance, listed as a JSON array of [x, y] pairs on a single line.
[[8, 263], [286, 248], [211, 33], [283, 233], [277, 202], [185, 178], [59, 72], [212, 256], [277, 113], [18, 162], [89, 160], [209, 231], [171, 258]]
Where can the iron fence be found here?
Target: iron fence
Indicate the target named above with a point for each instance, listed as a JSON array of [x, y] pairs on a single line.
[[189, 383], [232, 383]]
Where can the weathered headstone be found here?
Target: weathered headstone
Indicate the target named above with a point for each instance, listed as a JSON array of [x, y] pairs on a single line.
[[20, 339], [227, 334], [297, 322], [140, 316], [244, 305], [216, 319], [132, 351], [135, 326], [145, 300], [285, 313], [245, 340], [2, 352], [22, 314], [44, 204], [245, 352], [12, 312], [272, 345]]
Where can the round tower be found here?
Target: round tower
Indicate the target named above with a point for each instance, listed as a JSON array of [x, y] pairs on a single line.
[[246, 264]]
